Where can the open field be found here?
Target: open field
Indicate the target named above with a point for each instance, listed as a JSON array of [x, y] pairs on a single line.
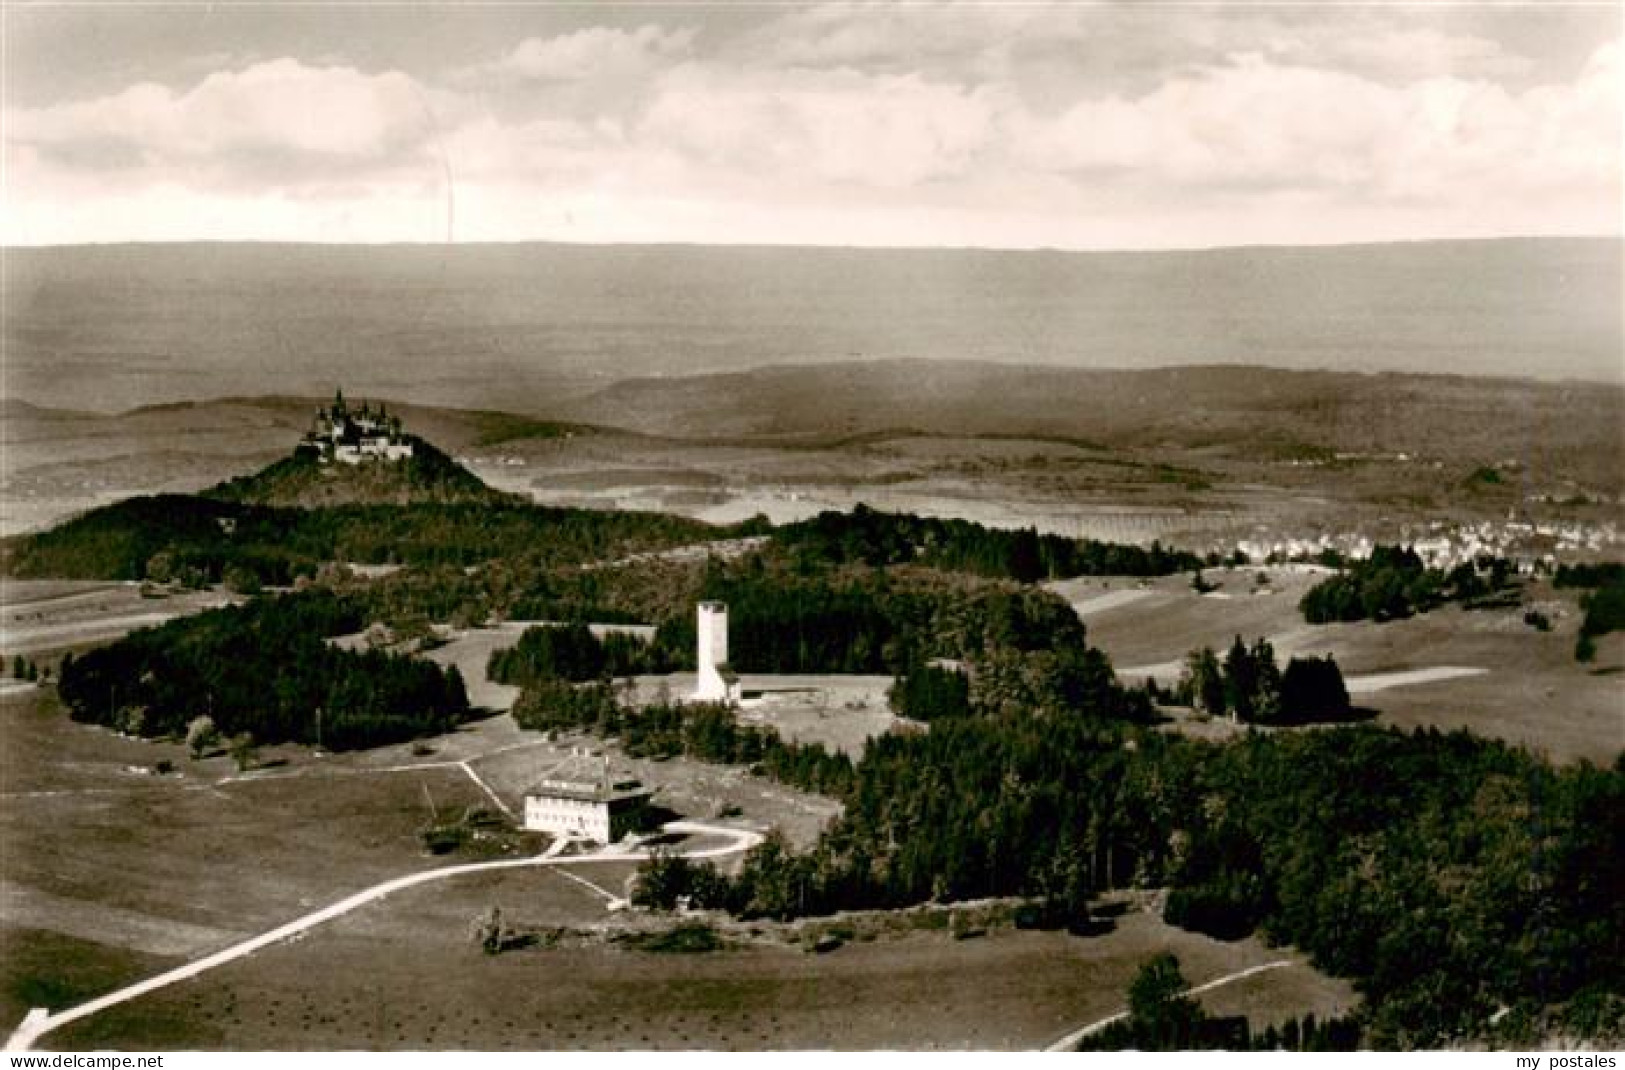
[[97, 849], [1485, 670], [50, 616], [925, 990]]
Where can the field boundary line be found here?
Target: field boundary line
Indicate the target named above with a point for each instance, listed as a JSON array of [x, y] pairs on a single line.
[[585, 883], [483, 786]]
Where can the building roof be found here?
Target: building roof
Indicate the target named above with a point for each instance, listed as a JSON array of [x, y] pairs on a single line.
[[585, 792], [585, 778]]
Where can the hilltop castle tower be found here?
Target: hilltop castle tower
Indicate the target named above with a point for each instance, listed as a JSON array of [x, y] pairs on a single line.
[[717, 683], [351, 436]]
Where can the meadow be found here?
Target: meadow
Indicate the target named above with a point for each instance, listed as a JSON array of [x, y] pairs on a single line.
[[1529, 689]]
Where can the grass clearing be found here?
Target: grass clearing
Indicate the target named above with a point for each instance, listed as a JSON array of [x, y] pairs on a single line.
[[41, 968], [98, 850], [51, 616]]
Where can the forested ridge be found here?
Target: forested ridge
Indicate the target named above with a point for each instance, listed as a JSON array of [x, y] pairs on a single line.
[[871, 537], [207, 536], [1028, 648]]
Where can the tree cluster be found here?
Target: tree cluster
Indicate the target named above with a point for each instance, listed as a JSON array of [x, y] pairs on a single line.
[[871, 537], [1393, 583], [1604, 612], [26, 668], [1589, 574], [926, 692], [571, 652], [786, 619], [267, 669], [1249, 686], [705, 731]]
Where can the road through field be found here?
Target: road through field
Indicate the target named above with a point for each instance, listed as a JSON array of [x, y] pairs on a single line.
[[39, 1021]]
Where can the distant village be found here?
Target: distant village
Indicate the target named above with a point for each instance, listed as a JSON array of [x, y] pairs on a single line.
[[1442, 544], [344, 435]]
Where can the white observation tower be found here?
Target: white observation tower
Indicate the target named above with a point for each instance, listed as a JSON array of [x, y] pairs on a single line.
[[717, 683]]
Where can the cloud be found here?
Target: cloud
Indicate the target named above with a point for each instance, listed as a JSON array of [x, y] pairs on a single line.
[[263, 123], [1256, 122], [596, 52], [1069, 125]]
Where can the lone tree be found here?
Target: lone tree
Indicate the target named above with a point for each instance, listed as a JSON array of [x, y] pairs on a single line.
[[244, 751], [1204, 681], [240, 580], [201, 735], [1159, 1011], [1312, 689], [488, 931]]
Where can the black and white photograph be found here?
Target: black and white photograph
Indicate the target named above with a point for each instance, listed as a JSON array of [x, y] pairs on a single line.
[[812, 526]]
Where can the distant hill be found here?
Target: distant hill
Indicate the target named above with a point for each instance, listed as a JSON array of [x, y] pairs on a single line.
[[301, 479], [60, 462], [533, 327], [1248, 412]]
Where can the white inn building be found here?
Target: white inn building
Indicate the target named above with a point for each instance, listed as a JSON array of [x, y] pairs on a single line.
[[578, 800]]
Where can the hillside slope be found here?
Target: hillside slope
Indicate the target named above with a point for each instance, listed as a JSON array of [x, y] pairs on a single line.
[[428, 476]]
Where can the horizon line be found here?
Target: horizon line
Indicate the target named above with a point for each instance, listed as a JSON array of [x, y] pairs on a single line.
[[831, 247]]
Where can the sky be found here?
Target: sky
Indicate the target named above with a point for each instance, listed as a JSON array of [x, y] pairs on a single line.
[[1009, 125]]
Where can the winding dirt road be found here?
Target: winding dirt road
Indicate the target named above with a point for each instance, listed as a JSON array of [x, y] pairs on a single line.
[[40, 1022]]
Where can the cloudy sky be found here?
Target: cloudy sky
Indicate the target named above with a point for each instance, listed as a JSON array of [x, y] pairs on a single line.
[[1005, 125]]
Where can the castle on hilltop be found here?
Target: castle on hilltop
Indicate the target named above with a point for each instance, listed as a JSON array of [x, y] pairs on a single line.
[[351, 436]]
